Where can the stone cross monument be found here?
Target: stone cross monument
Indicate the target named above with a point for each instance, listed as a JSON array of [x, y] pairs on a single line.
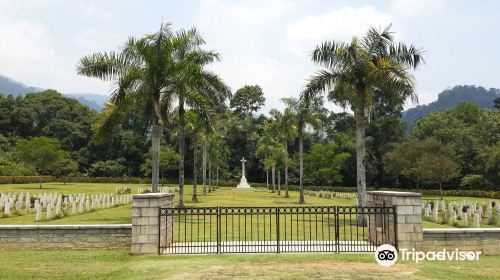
[[243, 182]]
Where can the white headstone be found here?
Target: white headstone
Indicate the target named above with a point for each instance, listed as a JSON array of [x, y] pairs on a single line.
[[476, 221], [49, 211], [7, 208], [38, 216]]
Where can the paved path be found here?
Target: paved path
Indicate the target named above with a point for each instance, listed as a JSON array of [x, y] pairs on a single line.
[[269, 247]]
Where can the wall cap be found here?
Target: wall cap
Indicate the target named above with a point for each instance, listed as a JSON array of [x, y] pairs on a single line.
[[461, 230], [152, 195], [64, 227], [393, 193]]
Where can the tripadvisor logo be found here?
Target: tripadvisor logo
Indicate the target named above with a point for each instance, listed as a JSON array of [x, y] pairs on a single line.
[[387, 255]]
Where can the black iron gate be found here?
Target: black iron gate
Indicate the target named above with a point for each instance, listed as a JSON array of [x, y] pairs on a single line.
[[275, 229]]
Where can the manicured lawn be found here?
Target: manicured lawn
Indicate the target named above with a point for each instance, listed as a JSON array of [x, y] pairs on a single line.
[[221, 197], [121, 265], [68, 188]]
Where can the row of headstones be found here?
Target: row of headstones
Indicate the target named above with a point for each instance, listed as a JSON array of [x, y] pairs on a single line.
[[331, 195], [160, 189], [471, 214], [56, 205]]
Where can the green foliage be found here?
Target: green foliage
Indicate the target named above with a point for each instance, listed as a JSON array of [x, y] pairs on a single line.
[[24, 179], [322, 164], [169, 161], [467, 128], [473, 181], [488, 161], [46, 155], [429, 161], [11, 167], [247, 100], [108, 168], [123, 190]]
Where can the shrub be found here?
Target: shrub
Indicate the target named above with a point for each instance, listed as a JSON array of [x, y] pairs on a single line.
[[123, 190], [473, 181]]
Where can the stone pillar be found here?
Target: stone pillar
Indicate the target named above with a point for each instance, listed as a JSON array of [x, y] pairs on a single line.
[[145, 221], [408, 215]]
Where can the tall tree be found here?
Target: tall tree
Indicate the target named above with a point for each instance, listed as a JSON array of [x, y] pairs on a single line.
[[198, 88], [269, 149], [160, 68], [437, 163], [142, 72], [247, 100], [307, 110], [353, 71], [195, 128], [284, 124]]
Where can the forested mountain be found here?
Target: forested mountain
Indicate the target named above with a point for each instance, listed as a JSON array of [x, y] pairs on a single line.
[[10, 86], [450, 98], [15, 88]]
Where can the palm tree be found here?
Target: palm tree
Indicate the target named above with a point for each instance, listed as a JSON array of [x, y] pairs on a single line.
[[306, 111], [195, 126], [284, 124], [141, 73], [353, 71], [195, 87], [270, 150]]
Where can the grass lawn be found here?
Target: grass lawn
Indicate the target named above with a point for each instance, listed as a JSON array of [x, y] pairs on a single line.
[[121, 265], [221, 197]]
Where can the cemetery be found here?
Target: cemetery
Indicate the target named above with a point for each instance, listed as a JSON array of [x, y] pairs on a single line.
[[277, 139]]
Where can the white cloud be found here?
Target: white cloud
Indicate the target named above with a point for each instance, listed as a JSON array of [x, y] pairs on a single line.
[[27, 54], [342, 24], [92, 12], [244, 33], [414, 7]]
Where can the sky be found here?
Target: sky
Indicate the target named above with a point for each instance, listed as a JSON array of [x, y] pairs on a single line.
[[264, 42]]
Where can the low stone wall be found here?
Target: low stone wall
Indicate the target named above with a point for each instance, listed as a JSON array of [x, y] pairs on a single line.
[[486, 240], [61, 237]]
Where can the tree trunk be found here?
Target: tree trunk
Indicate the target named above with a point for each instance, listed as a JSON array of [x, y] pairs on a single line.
[[210, 176], [360, 160], [273, 179], [204, 167], [182, 141], [155, 161], [286, 169], [441, 190], [301, 162], [217, 177], [267, 178], [195, 173], [279, 181]]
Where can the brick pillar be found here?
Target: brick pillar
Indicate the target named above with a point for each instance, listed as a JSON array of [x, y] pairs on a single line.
[[145, 221], [408, 215]]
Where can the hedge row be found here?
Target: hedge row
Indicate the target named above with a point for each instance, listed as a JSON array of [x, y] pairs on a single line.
[[25, 179], [224, 183]]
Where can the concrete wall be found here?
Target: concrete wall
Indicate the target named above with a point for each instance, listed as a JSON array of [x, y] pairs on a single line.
[[147, 232], [408, 216], [61, 237], [486, 240]]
